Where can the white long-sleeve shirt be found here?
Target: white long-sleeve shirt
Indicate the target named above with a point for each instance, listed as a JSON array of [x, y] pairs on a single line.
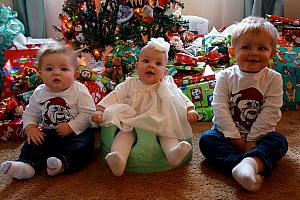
[[73, 105], [247, 105], [160, 108]]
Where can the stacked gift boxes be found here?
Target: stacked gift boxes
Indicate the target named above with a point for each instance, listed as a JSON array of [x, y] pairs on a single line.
[[287, 59], [288, 27], [287, 63], [194, 71], [19, 75]]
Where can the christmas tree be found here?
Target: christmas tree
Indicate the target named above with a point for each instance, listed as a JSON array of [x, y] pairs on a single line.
[[93, 25]]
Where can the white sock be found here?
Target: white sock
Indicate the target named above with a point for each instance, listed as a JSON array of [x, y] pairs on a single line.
[[54, 166], [116, 163], [178, 153], [245, 173], [18, 170]]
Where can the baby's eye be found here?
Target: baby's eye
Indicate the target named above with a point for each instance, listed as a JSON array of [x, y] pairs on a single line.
[[64, 69], [48, 68], [245, 47], [145, 61], [263, 48], [158, 63]]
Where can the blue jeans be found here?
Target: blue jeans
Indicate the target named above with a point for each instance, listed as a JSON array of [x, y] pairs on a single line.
[[74, 150], [219, 151]]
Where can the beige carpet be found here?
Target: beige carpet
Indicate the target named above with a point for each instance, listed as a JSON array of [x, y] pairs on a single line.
[[195, 180]]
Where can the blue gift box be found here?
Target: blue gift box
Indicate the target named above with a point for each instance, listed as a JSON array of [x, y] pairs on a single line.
[[287, 63]]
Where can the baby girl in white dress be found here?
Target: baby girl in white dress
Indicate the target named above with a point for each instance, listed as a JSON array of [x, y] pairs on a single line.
[[152, 102]]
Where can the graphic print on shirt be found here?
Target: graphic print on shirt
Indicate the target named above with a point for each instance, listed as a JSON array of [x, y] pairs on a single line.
[[56, 110], [245, 106]]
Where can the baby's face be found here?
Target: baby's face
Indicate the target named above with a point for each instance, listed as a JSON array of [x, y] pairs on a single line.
[[253, 51], [57, 71], [151, 66]]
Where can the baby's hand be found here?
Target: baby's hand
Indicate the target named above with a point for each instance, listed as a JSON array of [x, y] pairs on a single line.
[[192, 116], [63, 129], [34, 134], [97, 117]]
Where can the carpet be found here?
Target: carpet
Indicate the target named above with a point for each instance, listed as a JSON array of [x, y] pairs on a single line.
[[195, 180]]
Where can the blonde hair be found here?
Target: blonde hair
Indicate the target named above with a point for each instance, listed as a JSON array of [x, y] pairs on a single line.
[[56, 48], [254, 24]]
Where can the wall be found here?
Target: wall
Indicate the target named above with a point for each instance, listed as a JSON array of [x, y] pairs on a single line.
[[292, 8], [52, 11], [225, 12], [220, 13]]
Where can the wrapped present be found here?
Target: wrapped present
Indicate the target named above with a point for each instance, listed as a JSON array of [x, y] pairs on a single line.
[[183, 58], [87, 73], [210, 42], [174, 68], [205, 114], [12, 130], [292, 36], [200, 94], [10, 108], [24, 97], [287, 63], [19, 76], [120, 62], [282, 42], [187, 77], [15, 54], [289, 28], [25, 47], [96, 89], [191, 75]]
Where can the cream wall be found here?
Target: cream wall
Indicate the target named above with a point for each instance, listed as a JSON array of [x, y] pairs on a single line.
[[220, 13], [292, 8], [224, 12]]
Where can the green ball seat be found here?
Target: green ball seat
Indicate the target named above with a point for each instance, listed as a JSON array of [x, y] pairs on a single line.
[[146, 155]]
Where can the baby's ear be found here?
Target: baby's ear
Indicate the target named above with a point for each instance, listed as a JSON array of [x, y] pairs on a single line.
[[76, 73], [166, 72], [136, 65]]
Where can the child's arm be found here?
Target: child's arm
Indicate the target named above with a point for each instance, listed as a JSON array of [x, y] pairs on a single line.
[[85, 106], [220, 104], [32, 118], [270, 112]]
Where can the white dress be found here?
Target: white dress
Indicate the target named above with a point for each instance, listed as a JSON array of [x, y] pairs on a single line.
[[160, 108]]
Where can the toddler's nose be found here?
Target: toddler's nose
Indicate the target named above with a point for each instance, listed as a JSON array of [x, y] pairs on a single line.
[[253, 52], [56, 71]]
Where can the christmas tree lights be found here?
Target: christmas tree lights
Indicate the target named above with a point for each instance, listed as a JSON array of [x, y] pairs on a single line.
[[95, 24]]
